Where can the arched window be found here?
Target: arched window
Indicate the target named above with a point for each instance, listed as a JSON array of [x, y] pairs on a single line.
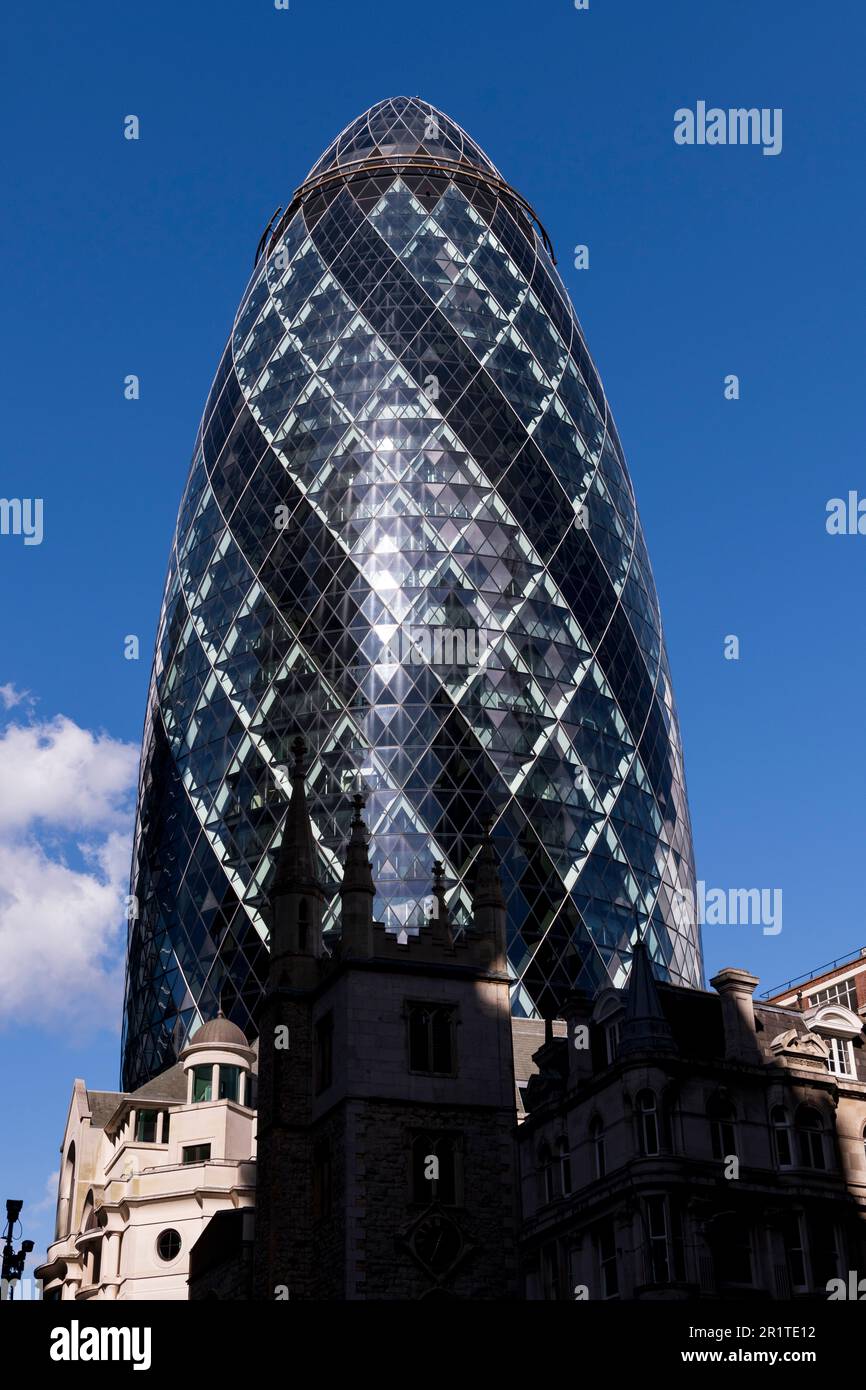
[[563, 1153], [648, 1123], [66, 1200], [810, 1138], [782, 1135], [88, 1212], [303, 924], [721, 1115], [596, 1135], [92, 1254]]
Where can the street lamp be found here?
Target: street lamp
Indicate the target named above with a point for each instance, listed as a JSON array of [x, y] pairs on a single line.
[[13, 1263]]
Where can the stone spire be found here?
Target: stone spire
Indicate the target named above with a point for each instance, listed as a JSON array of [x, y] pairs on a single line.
[[297, 865], [644, 1027], [441, 920], [297, 895], [488, 902], [357, 890]]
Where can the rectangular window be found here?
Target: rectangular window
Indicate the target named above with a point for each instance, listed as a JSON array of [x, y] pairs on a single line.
[[607, 1266], [324, 1064], [842, 992], [195, 1153], [732, 1251], [795, 1254], [550, 1269], [611, 1038], [202, 1084], [665, 1242], [823, 1252], [166, 1125], [724, 1140], [145, 1126], [431, 1039], [229, 1082]]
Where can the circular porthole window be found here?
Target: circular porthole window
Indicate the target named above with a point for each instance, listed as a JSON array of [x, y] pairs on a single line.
[[168, 1245]]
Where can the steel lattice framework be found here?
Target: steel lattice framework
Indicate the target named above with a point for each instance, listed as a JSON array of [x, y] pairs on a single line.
[[408, 534]]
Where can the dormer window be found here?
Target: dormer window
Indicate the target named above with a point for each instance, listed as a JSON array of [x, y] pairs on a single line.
[[841, 1059], [607, 1017], [837, 1025]]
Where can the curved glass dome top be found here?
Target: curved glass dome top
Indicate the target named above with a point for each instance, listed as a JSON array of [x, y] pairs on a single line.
[[410, 536], [401, 126]]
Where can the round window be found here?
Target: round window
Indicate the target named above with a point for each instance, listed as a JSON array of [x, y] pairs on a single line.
[[168, 1245]]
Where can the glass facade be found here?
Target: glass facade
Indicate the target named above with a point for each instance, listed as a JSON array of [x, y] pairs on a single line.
[[408, 534]]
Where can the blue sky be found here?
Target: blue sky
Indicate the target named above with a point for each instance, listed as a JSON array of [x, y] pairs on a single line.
[[130, 257]]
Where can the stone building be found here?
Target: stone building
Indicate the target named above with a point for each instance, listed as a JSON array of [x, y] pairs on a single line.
[[362, 1148], [386, 1091], [143, 1172], [395, 1134], [687, 1144]]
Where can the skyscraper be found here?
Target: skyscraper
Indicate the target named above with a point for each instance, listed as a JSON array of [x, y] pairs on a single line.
[[409, 535]]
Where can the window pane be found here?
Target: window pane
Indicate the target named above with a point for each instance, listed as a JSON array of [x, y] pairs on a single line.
[[195, 1153], [419, 1038], [229, 1082], [146, 1127], [442, 1059], [202, 1083], [822, 1247]]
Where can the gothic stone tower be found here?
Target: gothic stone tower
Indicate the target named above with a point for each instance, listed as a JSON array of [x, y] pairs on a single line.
[[386, 1091]]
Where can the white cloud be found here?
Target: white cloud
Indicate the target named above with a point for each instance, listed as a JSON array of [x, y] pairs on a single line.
[[10, 696], [65, 837], [48, 1200], [63, 775]]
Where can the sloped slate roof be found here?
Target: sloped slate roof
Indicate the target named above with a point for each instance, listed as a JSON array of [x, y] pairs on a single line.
[[102, 1105], [169, 1085]]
